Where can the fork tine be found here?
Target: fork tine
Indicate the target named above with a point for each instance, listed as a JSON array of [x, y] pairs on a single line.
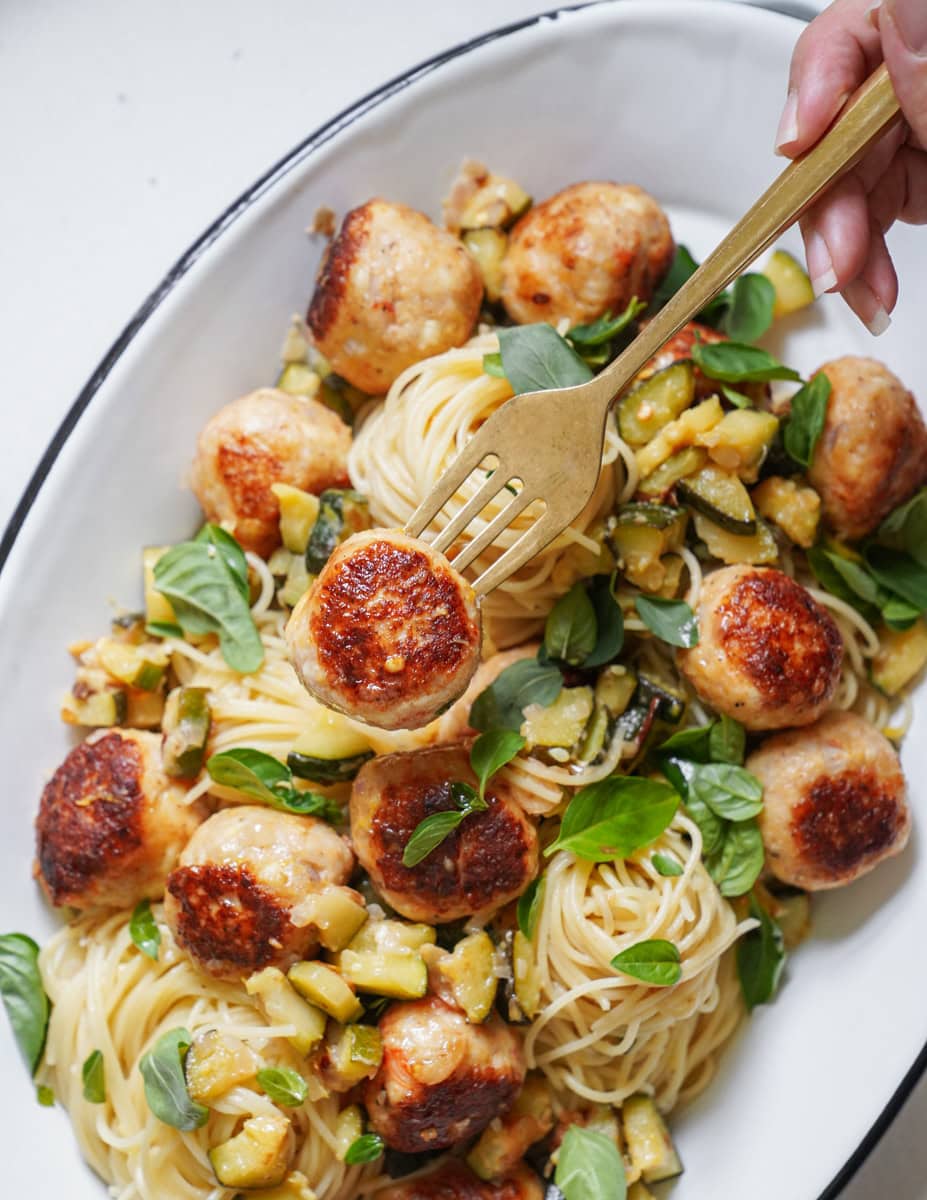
[[501, 521], [477, 502], [531, 542], [450, 480]]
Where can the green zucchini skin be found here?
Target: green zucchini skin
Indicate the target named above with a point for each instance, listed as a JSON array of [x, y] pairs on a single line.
[[341, 513], [722, 498], [323, 770]]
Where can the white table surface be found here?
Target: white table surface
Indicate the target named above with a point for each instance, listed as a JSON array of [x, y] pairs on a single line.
[[125, 127]]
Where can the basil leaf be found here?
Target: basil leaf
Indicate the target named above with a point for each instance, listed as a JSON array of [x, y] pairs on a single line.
[[727, 741], [905, 528], [711, 827], [492, 365], [898, 572], [730, 792], [605, 328], [665, 866], [529, 906], [856, 577], [609, 622], [655, 962], [430, 833], [615, 817], [491, 751], [806, 421], [899, 614], [589, 1167], [232, 555], [738, 399], [144, 931], [23, 995], [536, 357], [265, 778], [284, 1086], [694, 744], [163, 629], [672, 621], [736, 868], [206, 597], [166, 1084], [365, 1149], [93, 1075], [828, 571], [734, 362], [571, 628], [760, 958], [682, 268], [45, 1096], [750, 311], [502, 704]]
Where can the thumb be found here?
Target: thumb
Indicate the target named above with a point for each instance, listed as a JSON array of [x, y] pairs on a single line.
[[904, 45]]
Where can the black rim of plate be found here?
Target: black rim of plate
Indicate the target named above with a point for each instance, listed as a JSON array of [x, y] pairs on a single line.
[[295, 157]]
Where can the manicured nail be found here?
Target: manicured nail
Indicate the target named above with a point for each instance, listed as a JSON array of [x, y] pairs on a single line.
[[867, 306], [910, 16], [872, 14], [788, 122], [820, 265]]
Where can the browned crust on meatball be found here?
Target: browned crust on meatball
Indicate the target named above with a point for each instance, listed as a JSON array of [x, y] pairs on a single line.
[[786, 643], [332, 284], [367, 601], [848, 820], [248, 470], [453, 1181], [225, 917], [91, 816]]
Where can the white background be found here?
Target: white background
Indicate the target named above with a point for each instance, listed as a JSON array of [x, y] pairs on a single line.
[[126, 126]]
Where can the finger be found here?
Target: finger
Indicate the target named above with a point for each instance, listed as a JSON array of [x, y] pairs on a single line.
[[904, 43], [832, 58], [879, 159], [900, 192], [874, 293], [837, 234]]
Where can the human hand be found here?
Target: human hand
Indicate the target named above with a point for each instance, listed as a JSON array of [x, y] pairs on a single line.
[[844, 232]]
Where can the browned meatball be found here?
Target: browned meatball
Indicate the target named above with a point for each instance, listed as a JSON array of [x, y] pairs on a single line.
[[111, 825], [264, 438], [833, 801], [393, 289], [768, 653], [389, 632], [454, 1181], [586, 250], [441, 1079], [234, 902], [487, 861], [873, 452]]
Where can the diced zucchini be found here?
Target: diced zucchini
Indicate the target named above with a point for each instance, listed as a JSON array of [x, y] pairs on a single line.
[[401, 974], [526, 976], [470, 971], [614, 688], [792, 913], [665, 477], [158, 608], [95, 709], [497, 204], [682, 432], [561, 723], [741, 440], [299, 511], [144, 710], [258, 1156], [603, 1119], [341, 513], [138, 666], [654, 700], [653, 404], [324, 987], [298, 379], [336, 913], [795, 508], [650, 1146], [329, 750], [349, 1055], [348, 1128], [340, 396], [901, 656], [296, 583], [731, 548], [791, 283], [642, 533], [294, 1187], [720, 496], [393, 936], [215, 1064], [129, 627], [487, 248], [673, 566], [503, 1143], [186, 725], [639, 1191], [593, 740], [282, 1006]]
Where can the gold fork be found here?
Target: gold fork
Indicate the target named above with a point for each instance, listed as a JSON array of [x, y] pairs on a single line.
[[551, 442]]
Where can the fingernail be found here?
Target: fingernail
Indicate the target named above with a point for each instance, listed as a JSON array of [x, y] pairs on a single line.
[[820, 265], [788, 122], [872, 14], [867, 306], [910, 16]]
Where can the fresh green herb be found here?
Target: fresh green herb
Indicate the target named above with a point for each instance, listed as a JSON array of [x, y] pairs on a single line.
[[727, 741], [492, 365], [693, 744], [899, 614], [615, 817], [284, 1086], [144, 931], [502, 704], [365, 1149], [93, 1075], [265, 778], [711, 827], [206, 594], [166, 1084], [605, 328], [665, 866], [672, 621], [490, 753], [847, 582], [163, 629], [570, 633], [231, 553], [341, 512], [738, 399], [760, 958], [735, 868], [655, 962], [529, 906], [730, 792], [905, 528], [23, 996], [589, 1166], [45, 1096], [609, 622], [536, 357], [899, 573], [430, 833], [682, 268], [735, 362], [750, 310], [806, 420]]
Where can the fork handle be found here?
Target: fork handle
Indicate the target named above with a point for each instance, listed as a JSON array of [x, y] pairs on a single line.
[[869, 113]]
